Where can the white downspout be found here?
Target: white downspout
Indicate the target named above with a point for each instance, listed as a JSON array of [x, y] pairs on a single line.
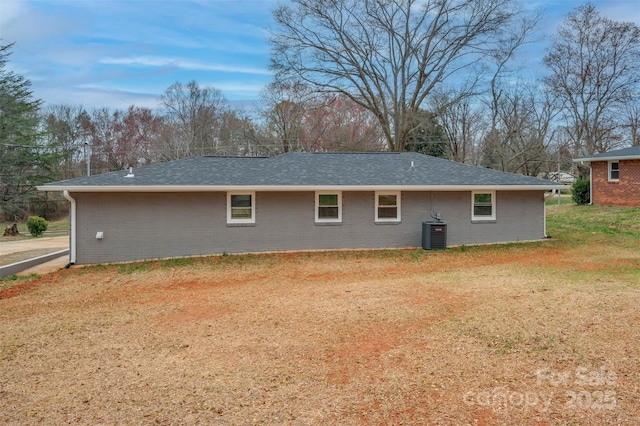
[[590, 184], [544, 214], [544, 207], [545, 221], [72, 224]]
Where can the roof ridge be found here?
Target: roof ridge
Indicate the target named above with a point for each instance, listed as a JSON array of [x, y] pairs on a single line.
[[352, 152], [297, 169], [234, 156]]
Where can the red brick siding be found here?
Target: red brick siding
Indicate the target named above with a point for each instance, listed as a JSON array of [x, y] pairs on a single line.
[[625, 192]]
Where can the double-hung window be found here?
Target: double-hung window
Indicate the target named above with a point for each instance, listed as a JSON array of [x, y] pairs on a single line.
[[241, 207], [388, 206], [329, 207], [483, 205], [614, 171]]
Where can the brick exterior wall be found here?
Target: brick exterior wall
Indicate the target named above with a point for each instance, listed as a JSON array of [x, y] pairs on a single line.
[[625, 192]]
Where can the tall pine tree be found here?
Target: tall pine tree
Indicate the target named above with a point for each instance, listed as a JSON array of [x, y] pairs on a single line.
[[24, 163]]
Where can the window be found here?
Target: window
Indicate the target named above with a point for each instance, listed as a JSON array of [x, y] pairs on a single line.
[[483, 205], [614, 170], [240, 207], [387, 206], [329, 207]]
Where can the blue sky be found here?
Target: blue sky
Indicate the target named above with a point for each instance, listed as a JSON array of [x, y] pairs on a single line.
[[116, 53]]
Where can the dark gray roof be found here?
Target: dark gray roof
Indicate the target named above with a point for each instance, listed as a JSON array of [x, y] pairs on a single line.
[[307, 169], [631, 152]]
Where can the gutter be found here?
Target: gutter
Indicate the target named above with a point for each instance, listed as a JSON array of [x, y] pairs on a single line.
[[607, 158], [285, 188], [72, 234]]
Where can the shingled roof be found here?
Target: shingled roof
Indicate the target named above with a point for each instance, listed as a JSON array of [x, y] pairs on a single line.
[[297, 171], [631, 153]]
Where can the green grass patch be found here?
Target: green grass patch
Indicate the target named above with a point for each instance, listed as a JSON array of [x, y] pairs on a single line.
[[12, 280], [565, 200], [582, 224], [60, 225], [177, 262], [130, 268], [94, 268]]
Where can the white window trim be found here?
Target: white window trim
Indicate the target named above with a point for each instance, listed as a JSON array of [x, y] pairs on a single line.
[[398, 206], [609, 171], [493, 206], [230, 220], [322, 220]]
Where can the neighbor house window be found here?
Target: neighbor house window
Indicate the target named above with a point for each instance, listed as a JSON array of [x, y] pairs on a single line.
[[614, 170], [388, 206], [483, 205], [241, 207], [329, 206]]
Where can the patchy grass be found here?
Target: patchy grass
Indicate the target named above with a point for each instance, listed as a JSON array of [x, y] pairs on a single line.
[[531, 334], [12, 280], [130, 268], [590, 224]]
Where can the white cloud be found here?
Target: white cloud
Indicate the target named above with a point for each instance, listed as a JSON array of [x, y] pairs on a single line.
[[91, 97], [23, 22], [149, 61], [11, 10]]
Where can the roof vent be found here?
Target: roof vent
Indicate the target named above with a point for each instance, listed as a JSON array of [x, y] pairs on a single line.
[[130, 174]]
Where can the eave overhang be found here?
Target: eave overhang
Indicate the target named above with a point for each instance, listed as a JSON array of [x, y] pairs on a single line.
[[589, 160], [294, 188]]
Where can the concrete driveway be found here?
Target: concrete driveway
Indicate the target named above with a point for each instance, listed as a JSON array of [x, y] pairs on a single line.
[[8, 247], [43, 245]]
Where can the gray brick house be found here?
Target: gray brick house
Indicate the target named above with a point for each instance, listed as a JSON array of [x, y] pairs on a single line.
[[295, 201]]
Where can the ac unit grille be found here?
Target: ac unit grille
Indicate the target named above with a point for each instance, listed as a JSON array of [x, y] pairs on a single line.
[[434, 235]]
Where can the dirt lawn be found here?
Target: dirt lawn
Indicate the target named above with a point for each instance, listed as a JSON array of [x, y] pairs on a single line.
[[531, 334]]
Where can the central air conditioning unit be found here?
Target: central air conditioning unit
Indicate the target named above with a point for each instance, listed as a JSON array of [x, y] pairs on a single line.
[[434, 235]]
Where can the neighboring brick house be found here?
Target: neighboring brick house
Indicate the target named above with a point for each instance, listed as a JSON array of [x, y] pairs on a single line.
[[615, 177], [296, 201]]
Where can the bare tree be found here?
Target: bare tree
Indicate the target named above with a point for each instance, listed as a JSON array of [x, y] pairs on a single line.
[[339, 124], [520, 132], [62, 127], [299, 119], [120, 139], [502, 56], [285, 106], [463, 125], [137, 133], [387, 55], [98, 125], [594, 70], [238, 135], [192, 116], [632, 120]]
